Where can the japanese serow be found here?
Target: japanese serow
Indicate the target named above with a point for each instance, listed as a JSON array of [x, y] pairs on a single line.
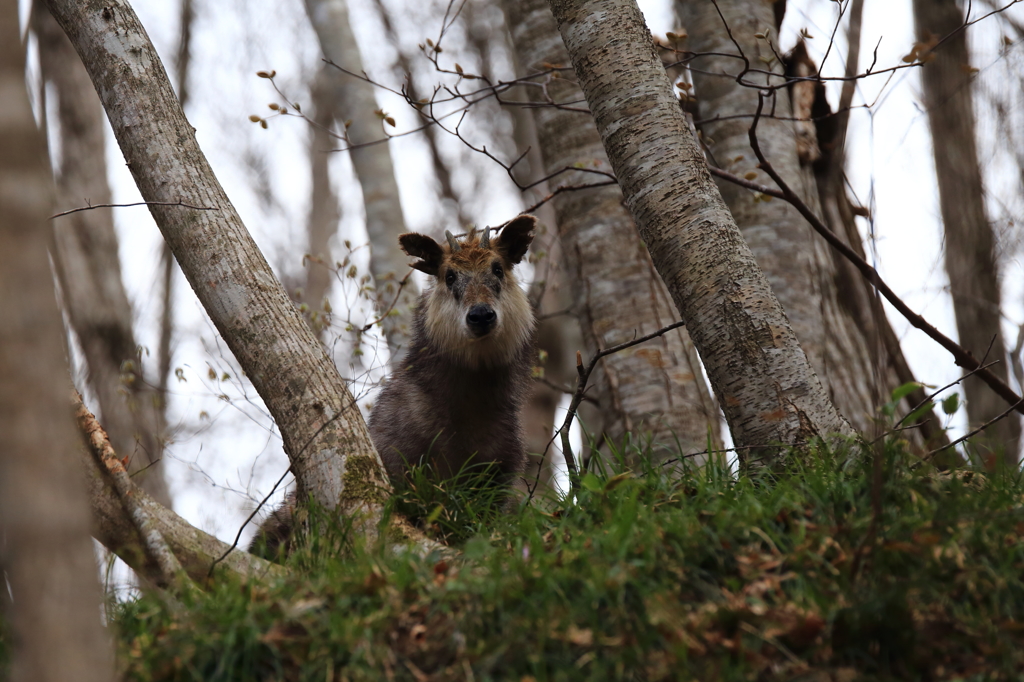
[[455, 398]]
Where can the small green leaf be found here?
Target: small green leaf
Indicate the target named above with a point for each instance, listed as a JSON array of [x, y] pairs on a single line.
[[906, 389], [591, 483], [920, 412], [951, 403]]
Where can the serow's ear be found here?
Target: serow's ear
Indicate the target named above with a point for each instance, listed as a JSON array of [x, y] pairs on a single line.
[[426, 249], [515, 238]]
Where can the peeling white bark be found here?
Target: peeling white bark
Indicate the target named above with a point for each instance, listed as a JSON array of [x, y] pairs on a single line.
[[759, 372]]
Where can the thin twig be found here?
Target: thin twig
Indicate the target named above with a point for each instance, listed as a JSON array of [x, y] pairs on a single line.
[[387, 311], [1016, 406], [90, 207], [743, 182], [927, 399]]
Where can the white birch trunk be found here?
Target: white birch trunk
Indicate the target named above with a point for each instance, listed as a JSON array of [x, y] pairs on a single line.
[[757, 368], [352, 99], [797, 262], [324, 435], [656, 387]]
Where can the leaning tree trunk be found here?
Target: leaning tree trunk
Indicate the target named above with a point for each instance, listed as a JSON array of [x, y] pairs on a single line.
[[324, 435], [46, 554], [88, 267], [970, 242], [656, 387], [354, 107], [796, 261], [763, 380]]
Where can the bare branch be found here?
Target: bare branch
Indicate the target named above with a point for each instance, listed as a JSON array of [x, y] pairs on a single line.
[[581, 387], [964, 358], [138, 203]]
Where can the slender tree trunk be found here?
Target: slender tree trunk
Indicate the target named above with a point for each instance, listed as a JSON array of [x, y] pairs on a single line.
[[168, 267], [971, 261], [558, 332], [354, 106], [46, 553], [324, 210], [656, 387], [88, 266], [760, 373], [324, 435]]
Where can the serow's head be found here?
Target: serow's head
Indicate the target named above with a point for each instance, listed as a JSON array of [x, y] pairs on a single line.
[[476, 311]]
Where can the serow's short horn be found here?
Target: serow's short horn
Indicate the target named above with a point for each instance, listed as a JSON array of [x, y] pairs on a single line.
[[486, 241], [451, 241]]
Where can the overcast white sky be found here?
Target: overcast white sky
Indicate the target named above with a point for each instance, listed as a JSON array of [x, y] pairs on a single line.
[[224, 449]]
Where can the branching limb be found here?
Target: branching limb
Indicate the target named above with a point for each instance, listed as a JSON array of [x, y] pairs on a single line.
[[171, 573], [963, 357], [115, 526], [581, 387]]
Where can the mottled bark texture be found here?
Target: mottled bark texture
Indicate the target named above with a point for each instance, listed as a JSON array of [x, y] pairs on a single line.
[[759, 372], [324, 435], [799, 265], [86, 260], [352, 101], [655, 388], [551, 294], [46, 554], [971, 261]]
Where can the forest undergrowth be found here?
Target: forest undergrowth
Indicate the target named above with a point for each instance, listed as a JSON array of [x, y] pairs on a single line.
[[843, 568]]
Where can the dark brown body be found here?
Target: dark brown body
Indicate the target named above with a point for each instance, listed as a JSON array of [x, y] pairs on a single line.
[[455, 399]]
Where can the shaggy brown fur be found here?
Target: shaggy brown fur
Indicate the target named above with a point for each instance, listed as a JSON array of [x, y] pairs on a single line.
[[455, 398]]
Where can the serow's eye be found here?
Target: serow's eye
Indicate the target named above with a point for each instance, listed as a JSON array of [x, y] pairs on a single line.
[[498, 271], [450, 278]]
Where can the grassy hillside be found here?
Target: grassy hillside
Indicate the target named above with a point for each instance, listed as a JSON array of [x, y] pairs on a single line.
[[708, 577]]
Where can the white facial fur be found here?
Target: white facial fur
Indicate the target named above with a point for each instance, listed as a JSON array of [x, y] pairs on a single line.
[[447, 329]]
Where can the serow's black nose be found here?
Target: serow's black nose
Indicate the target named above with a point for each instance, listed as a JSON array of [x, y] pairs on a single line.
[[481, 319]]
